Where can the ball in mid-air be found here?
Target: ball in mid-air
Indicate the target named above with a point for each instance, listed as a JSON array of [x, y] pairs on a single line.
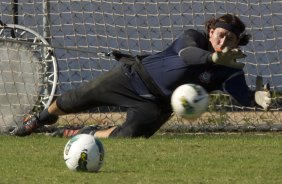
[[189, 101]]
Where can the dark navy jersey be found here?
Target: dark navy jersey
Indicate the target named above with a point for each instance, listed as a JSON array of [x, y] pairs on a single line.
[[186, 60]]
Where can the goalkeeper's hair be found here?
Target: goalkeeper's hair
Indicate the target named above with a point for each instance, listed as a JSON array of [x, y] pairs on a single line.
[[230, 19]]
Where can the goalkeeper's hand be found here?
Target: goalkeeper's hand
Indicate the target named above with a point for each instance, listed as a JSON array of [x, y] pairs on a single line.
[[262, 94], [227, 57]]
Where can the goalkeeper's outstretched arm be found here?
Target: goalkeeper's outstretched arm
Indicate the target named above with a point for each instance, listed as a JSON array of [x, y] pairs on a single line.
[[236, 86]]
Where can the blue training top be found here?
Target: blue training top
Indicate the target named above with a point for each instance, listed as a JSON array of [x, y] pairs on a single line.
[[186, 60]]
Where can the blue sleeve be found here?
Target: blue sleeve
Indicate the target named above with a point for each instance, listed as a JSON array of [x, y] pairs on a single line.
[[192, 47], [236, 86]]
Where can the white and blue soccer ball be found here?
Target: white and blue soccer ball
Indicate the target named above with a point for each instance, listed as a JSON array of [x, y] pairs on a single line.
[[189, 101], [84, 152]]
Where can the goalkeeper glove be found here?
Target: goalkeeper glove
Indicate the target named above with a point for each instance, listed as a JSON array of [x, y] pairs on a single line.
[[262, 94], [227, 57]]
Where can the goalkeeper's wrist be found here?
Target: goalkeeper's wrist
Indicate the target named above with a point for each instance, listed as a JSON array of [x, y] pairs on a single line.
[[209, 59]]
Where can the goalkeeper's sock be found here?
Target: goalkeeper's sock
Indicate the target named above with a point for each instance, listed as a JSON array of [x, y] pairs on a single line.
[[45, 118]]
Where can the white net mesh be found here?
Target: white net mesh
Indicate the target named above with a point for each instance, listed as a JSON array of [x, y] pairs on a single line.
[[20, 81], [149, 26], [27, 80]]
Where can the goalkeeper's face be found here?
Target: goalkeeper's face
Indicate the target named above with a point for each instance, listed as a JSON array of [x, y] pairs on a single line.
[[220, 38]]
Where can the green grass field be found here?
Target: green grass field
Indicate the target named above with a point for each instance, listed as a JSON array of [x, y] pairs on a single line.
[[246, 158]]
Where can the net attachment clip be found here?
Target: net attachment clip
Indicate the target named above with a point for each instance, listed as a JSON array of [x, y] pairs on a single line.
[[105, 54]]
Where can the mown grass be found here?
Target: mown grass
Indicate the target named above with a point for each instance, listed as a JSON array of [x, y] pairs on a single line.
[[246, 158]]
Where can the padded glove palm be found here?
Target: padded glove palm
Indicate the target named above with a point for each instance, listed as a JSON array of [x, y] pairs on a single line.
[[227, 57], [262, 94]]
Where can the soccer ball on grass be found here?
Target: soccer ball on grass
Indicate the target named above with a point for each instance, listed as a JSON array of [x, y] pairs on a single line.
[[189, 101], [83, 152]]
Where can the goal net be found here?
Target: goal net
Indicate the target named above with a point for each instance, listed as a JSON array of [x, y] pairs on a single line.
[[64, 36]]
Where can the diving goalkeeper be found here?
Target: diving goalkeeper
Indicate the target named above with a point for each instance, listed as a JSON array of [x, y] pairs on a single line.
[[143, 85]]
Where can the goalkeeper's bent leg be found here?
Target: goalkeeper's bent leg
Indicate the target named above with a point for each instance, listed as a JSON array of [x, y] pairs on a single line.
[[50, 115], [54, 109]]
